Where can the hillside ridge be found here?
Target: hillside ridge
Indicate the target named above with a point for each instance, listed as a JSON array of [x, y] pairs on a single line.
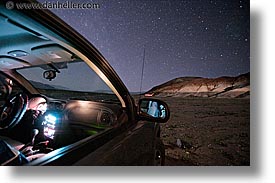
[[221, 87]]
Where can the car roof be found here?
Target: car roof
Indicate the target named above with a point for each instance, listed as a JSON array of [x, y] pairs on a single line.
[[22, 47]]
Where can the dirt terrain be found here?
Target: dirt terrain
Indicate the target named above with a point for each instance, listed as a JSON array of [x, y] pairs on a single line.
[[207, 131]]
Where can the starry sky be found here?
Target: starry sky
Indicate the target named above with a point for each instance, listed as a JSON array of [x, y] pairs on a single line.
[[206, 38]]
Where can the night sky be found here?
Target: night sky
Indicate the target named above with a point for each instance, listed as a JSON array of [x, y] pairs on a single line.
[[205, 38]]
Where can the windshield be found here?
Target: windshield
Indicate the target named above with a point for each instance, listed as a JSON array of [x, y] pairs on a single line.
[[74, 80]]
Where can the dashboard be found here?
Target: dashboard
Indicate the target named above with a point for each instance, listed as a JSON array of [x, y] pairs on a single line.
[[56, 105], [66, 122]]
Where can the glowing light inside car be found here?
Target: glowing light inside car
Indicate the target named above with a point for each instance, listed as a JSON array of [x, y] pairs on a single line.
[[48, 132], [51, 119], [49, 125]]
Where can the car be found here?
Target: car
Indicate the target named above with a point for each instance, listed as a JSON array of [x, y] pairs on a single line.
[[63, 104]]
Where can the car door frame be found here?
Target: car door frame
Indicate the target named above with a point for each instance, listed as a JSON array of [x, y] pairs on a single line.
[[72, 153]]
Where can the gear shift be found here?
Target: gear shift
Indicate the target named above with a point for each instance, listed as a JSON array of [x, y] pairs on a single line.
[[34, 134], [27, 149]]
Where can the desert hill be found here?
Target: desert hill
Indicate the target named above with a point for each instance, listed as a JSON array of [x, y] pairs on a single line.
[[222, 87]]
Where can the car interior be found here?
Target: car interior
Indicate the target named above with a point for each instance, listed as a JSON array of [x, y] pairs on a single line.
[[36, 117]]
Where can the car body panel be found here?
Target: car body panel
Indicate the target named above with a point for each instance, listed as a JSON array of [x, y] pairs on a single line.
[[115, 147]]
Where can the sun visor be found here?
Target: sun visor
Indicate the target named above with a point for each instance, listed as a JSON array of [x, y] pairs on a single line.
[[51, 53], [11, 63]]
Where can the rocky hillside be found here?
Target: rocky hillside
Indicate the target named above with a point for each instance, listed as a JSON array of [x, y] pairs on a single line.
[[222, 87]]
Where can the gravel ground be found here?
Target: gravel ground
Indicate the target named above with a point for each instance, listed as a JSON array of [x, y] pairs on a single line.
[[207, 132]]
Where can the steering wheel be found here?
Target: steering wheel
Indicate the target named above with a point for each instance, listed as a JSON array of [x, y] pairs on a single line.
[[13, 110]]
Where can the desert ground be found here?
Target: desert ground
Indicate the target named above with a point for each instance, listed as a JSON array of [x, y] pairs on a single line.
[[207, 132]]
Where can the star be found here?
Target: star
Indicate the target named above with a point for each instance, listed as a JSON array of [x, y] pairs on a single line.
[[181, 38]]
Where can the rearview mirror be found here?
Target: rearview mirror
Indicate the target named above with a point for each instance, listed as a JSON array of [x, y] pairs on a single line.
[[49, 74], [153, 110]]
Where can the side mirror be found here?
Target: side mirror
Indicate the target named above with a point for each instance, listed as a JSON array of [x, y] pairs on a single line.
[[153, 110]]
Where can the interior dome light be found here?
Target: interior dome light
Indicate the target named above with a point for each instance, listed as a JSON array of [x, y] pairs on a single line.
[[18, 53]]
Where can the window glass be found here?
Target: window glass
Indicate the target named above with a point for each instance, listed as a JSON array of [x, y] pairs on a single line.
[[74, 80]]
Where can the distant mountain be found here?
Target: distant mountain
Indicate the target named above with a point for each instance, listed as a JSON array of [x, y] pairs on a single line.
[[222, 87], [41, 85], [104, 91], [46, 86]]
